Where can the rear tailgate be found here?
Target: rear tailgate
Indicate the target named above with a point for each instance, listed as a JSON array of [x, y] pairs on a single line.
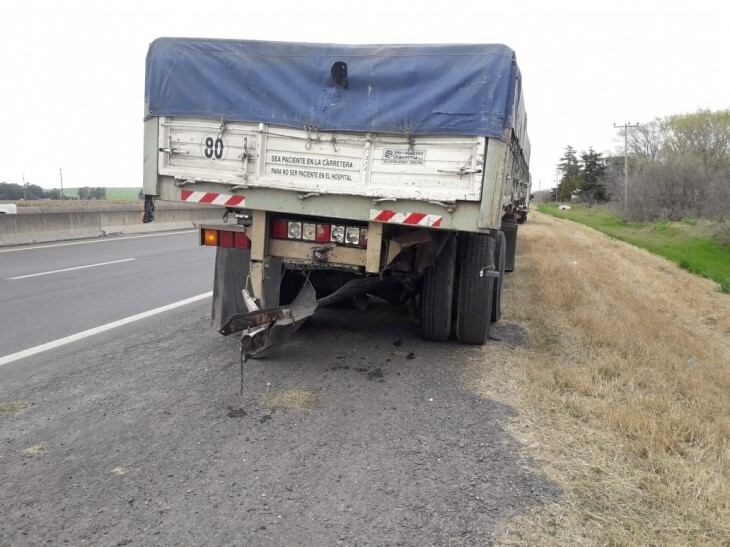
[[436, 168]]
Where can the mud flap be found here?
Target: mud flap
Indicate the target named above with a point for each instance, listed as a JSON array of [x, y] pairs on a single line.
[[231, 272]]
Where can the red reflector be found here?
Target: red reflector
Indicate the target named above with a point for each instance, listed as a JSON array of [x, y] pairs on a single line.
[[241, 241], [225, 238], [323, 233], [280, 229]]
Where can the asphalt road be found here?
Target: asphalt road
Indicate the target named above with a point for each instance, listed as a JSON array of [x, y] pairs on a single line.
[[354, 433], [135, 274]]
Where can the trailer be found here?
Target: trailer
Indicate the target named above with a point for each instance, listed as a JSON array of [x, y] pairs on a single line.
[[343, 172]]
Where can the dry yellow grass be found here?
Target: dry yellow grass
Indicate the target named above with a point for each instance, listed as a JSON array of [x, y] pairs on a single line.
[[13, 406], [623, 391], [290, 399], [36, 450]]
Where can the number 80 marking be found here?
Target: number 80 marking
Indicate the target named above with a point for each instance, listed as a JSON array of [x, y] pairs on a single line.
[[213, 148]]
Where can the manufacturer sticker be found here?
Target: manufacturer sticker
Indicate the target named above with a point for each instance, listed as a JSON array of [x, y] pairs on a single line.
[[403, 156]]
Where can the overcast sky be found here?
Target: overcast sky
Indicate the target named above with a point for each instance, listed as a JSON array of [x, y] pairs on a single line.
[[72, 72]]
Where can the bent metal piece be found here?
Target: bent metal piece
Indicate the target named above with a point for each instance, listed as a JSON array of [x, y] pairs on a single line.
[[265, 328], [268, 327]]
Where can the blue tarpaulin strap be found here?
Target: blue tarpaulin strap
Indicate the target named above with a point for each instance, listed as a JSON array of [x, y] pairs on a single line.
[[406, 89]]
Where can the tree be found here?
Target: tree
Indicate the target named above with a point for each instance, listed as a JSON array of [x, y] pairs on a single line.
[[646, 140], [16, 192], [572, 178], [679, 166], [88, 192], [10, 191], [34, 191], [593, 169]]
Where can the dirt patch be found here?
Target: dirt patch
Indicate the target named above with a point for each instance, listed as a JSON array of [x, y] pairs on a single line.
[[236, 412], [622, 391], [511, 334], [291, 399], [375, 374]]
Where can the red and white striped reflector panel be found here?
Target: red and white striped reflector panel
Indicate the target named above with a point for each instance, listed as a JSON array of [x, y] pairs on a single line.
[[212, 198], [409, 219]]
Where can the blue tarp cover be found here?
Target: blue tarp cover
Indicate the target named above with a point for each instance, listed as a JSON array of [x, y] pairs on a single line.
[[408, 89]]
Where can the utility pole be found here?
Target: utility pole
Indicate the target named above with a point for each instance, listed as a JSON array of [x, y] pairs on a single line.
[[60, 174], [25, 189], [626, 128]]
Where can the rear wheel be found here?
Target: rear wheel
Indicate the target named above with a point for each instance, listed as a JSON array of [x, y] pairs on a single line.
[[476, 288], [437, 290], [500, 249]]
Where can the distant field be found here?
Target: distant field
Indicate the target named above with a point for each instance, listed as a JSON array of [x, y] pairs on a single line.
[[112, 193], [690, 243]]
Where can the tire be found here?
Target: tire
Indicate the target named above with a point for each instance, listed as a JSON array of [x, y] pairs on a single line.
[[437, 294], [474, 299], [509, 227], [500, 250]]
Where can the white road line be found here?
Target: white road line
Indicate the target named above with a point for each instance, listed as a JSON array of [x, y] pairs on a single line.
[[71, 269], [97, 330], [105, 240]]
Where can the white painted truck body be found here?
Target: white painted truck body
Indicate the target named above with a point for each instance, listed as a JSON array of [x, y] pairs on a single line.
[[8, 209], [466, 181], [444, 168]]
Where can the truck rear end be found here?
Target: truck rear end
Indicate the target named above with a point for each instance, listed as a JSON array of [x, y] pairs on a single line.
[[343, 173]]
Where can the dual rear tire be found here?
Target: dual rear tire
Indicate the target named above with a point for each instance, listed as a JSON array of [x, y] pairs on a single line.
[[460, 289]]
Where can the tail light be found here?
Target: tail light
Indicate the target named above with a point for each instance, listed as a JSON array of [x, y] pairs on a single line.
[[224, 238], [323, 233], [294, 230], [210, 237], [352, 235], [280, 229], [338, 234], [319, 232], [309, 231]]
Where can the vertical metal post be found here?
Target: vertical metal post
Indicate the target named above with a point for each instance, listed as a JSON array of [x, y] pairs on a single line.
[[25, 189], [60, 174]]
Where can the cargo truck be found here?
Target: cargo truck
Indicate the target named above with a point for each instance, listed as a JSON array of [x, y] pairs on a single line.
[[343, 172]]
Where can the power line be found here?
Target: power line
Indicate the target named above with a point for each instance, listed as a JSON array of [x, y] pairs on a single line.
[[626, 126]]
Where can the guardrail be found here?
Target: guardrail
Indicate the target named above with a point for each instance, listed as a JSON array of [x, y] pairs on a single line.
[[56, 223]]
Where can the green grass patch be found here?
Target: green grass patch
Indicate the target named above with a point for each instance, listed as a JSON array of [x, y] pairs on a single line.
[[686, 243]]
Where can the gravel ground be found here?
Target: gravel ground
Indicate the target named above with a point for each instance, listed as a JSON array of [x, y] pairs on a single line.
[[355, 433]]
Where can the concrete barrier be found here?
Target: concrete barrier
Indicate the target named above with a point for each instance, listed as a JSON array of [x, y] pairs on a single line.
[[57, 223]]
